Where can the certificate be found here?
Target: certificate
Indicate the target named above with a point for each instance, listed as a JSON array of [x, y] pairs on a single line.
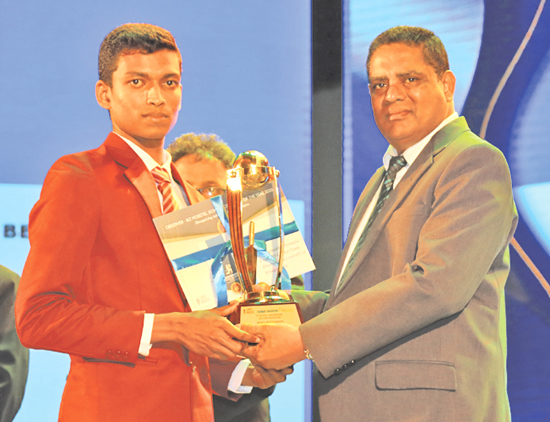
[[199, 247]]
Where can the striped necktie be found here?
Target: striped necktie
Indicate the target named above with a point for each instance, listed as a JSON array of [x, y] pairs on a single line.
[[164, 185], [396, 164]]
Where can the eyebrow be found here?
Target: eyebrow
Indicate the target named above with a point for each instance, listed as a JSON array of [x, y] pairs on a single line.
[[406, 74], [377, 79], [409, 73], [146, 75]]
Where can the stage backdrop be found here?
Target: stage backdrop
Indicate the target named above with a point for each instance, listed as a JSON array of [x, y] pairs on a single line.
[[246, 77]]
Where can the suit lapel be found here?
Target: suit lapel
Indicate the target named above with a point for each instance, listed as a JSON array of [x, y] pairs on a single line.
[[137, 174], [420, 166], [364, 201], [135, 171], [360, 209]]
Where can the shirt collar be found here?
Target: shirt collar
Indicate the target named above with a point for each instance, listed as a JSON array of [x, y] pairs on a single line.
[[414, 151], [149, 162]]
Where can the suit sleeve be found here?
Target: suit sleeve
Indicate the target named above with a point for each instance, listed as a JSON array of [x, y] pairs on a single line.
[[220, 374], [311, 302], [14, 358], [63, 227], [470, 222]]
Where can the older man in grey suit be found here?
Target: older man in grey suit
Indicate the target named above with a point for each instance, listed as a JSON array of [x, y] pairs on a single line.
[[413, 329]]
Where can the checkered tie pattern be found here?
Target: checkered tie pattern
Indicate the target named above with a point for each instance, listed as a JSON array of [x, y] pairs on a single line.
[[164, 185], [396, 164]]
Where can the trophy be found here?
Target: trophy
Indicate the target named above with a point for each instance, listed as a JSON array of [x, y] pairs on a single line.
[[251, 171]]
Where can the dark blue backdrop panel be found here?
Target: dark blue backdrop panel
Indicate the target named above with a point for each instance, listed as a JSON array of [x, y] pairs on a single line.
[[519, 126]]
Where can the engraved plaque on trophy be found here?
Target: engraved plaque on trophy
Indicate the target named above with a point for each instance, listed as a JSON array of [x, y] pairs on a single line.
[[251, 171]]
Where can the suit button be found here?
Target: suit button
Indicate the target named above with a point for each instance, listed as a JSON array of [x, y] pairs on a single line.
[[352, 362], [118, 355], [337, 371], [109, 354], [345, 366], [126, 356]]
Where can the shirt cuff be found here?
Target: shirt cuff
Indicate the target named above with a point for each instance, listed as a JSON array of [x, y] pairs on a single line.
[[145, 342], [237, 378]]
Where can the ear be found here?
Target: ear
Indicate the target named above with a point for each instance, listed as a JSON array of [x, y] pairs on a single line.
[[103, 94], [449, 83]]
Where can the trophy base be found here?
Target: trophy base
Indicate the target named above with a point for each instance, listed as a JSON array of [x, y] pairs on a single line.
[[269, 307]]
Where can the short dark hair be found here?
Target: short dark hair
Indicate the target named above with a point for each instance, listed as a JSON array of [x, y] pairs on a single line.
[[204, 146], [132, 37], [434, 51]]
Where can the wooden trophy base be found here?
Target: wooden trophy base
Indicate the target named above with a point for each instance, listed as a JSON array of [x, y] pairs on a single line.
[[269, 307]]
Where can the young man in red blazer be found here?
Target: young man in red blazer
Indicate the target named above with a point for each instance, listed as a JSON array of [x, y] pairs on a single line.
[[97, 283]]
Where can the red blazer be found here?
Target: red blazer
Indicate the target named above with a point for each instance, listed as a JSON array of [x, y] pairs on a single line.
[[96, 265]]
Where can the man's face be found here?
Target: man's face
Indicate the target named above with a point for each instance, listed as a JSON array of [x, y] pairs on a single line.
[[145, 96], [207, 175], [408, 99]]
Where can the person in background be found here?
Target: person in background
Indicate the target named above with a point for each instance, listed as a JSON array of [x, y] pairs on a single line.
[[202, 160], [14, 358]]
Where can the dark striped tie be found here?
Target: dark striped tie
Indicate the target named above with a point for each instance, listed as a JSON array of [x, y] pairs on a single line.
[[164, 185], [396, 164]]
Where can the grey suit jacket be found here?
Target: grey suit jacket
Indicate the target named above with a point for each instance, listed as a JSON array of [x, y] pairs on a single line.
[[416, 330]]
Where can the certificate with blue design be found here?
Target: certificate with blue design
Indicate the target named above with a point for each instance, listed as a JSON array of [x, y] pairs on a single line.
[[197, 244]]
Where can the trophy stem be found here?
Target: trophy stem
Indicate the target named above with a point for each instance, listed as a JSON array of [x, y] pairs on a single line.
[[234, 199], [277, 284], [251, 254]]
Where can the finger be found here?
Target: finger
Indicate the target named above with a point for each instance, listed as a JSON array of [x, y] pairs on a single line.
[[228, 347], [274, 376], [230, 351], [287, 371], [251, 352], [263, 378], [266, 378], [252, 329], [244, 336], [227, 309]]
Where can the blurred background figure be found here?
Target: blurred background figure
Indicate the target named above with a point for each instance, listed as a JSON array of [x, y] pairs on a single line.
[[14, 358], [202, 160]]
